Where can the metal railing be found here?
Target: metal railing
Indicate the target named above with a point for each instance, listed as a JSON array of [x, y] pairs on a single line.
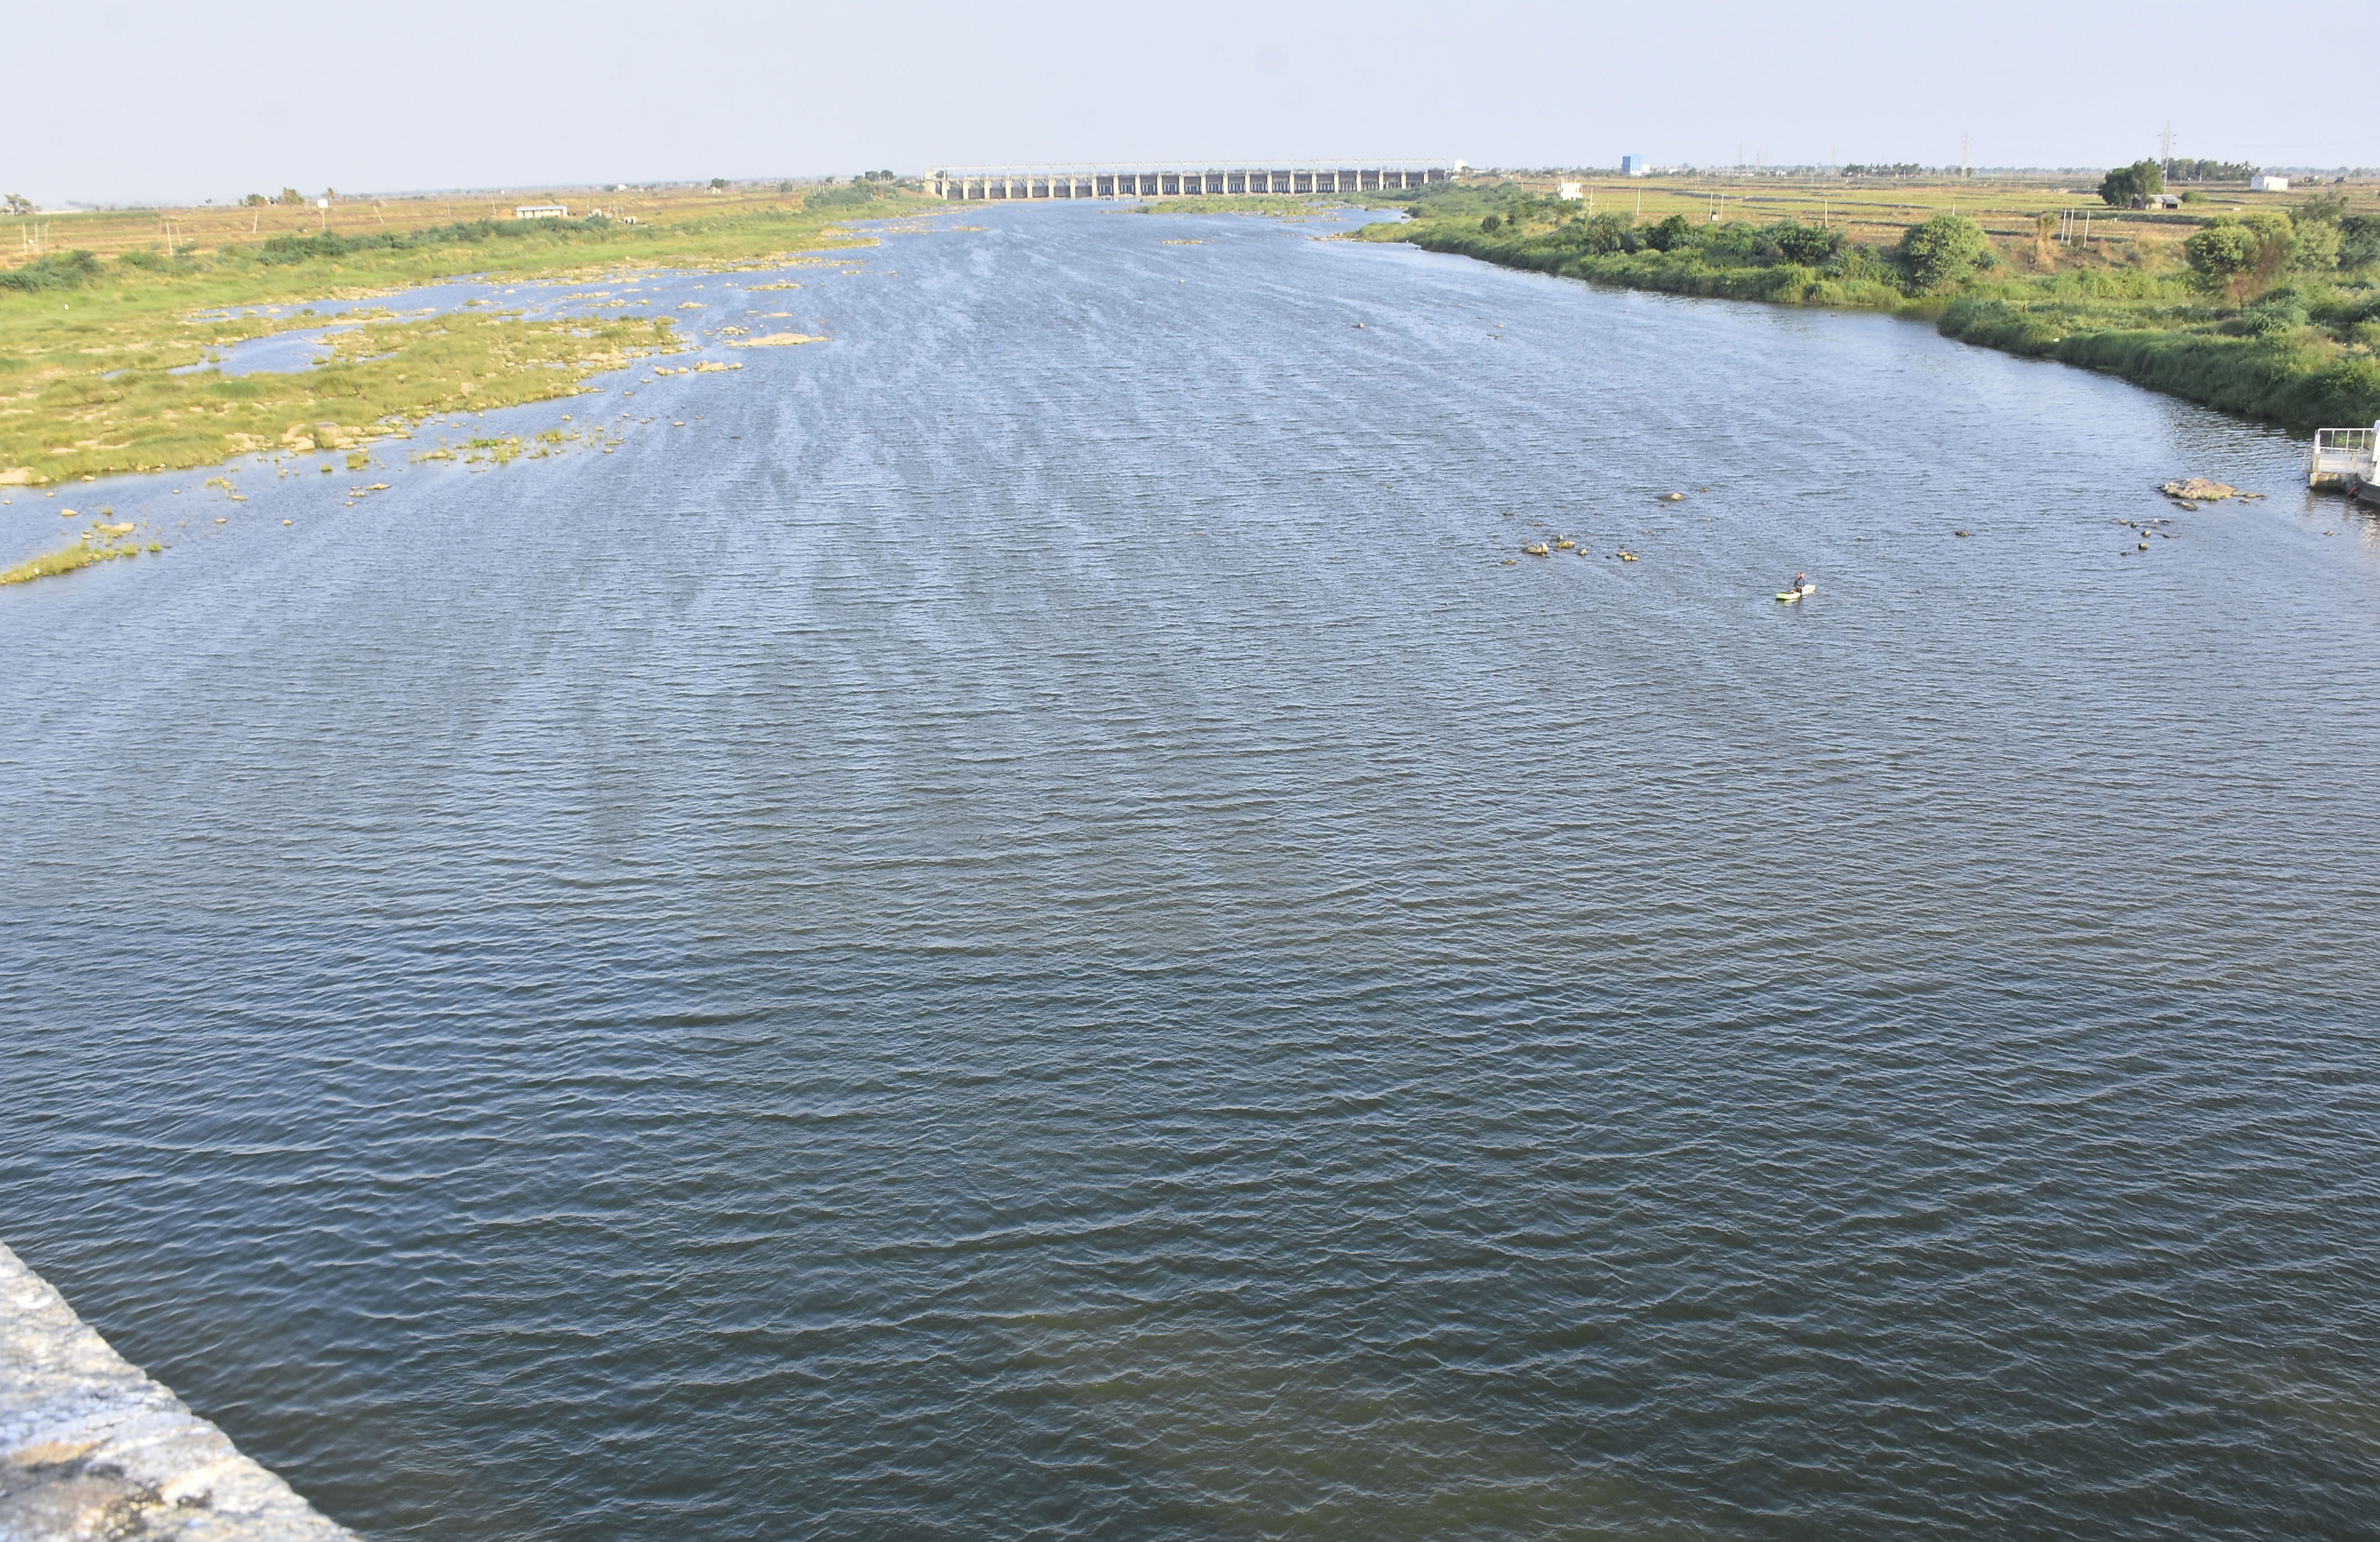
[[2339, 453]]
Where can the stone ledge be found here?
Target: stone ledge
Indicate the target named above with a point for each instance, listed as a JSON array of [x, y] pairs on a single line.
[[94, 1451]]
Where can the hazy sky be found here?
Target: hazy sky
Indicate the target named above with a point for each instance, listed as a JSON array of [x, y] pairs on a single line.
[[137, 99]]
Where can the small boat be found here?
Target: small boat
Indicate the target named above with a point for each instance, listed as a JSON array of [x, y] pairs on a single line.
[[1789, 595]]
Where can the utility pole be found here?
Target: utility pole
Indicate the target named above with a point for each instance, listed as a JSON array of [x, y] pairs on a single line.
[[2166, 145], [1966, 143]]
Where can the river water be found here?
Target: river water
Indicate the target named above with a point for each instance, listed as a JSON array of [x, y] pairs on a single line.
[[1029, 921]]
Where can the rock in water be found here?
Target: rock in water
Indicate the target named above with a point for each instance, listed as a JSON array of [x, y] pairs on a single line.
[[2199, 489]]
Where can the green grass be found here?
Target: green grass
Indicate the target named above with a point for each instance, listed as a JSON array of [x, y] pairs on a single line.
[[101, 544]]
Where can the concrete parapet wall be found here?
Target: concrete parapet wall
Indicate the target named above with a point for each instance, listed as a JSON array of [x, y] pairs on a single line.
[[90, 1448], [1156, 181]]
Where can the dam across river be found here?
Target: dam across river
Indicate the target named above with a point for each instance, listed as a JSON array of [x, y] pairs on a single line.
[[1170, 179]]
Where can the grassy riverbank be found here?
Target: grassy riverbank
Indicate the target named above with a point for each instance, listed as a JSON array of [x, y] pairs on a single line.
[[2271, 310], [92, 336]]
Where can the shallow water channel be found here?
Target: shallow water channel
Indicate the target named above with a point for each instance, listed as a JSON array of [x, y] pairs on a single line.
[[1030, 920]]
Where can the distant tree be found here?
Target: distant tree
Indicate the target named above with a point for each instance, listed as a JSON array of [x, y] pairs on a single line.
[[331, 193], [2119, 187], [256, 200], [1940, 252], [19, 204], [719, 184], [290, 195], [2186, 170]]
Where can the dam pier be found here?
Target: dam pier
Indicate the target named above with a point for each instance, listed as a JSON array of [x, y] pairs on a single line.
[[1176, 179]]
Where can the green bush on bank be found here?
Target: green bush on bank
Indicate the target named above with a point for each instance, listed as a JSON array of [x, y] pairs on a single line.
[[1941, 252], [324, 243], [69, 270]]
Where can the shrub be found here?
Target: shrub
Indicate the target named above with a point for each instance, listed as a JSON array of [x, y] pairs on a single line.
[[68, 269], [2315, 243], [1940, 252], [2220, 253], [1805, 244], [2359, 240], [1670, 234], [2240, 254], [1861, 264], [1603, 234], [285, 249], [2282, 311], [851, 195], [1492, 223]]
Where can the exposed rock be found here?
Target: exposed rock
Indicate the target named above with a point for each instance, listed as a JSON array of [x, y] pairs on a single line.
[[91, 1448], [2199, 489]]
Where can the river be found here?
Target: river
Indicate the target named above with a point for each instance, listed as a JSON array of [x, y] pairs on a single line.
[[1030, 920]]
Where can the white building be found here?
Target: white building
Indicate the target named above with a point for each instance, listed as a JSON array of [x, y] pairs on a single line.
[[1574, 190], [2260, 182], [543, 212]]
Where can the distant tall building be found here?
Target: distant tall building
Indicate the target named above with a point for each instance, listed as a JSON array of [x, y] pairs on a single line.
[[1631, 166]]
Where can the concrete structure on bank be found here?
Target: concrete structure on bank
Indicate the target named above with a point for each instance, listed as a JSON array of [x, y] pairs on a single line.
[[92, 1448], [1181, 179]]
